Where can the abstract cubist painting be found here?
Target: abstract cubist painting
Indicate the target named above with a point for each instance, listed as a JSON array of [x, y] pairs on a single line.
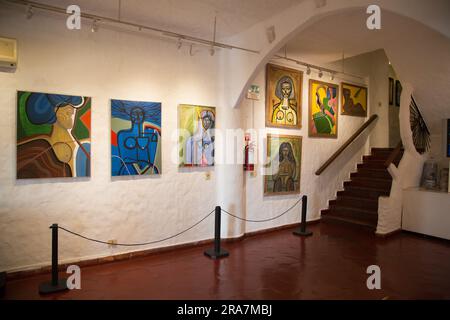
[[53, 135], [354, 100], [135, 138], [323, 109], [283, 97], [283, 169], [196, 126]]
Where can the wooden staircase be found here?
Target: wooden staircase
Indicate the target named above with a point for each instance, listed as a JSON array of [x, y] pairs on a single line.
[[358, 203]]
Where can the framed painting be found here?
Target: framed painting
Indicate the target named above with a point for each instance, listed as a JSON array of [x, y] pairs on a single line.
[[323, 109], [448, 138], [196, 126], [398, 92], [135, 138], [53, 135], [283, 97], [391, 91], [354, 100], [283, 169]]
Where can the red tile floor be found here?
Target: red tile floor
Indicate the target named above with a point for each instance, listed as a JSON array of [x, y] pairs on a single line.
[[277, 265]]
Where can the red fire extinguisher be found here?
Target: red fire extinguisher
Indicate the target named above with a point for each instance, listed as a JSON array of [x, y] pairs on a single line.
[[248, 154]]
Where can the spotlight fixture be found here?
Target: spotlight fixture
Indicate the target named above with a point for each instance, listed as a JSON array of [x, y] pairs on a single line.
[[212, 51], [179, 44], [331, 76], [30, 12], [94, 27], [320, 73], [308, 70]]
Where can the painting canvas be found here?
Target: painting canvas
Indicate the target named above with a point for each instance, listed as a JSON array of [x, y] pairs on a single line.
[[283, 170], [135, 138], [283, 97], [196, 125], [323, 109], [448, 138], [398, 92], [354, 100], [53, 135], [391, 91]]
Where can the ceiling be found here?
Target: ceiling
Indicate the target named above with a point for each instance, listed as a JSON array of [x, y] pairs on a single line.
[[190, 17], [327, 40]]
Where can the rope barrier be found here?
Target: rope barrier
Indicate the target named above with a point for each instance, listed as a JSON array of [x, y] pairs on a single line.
[[137, 244], [263, 220], [179, 233], [56, 284]]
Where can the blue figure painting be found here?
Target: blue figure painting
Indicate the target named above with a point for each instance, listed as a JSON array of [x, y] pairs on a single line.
[[135, 138]]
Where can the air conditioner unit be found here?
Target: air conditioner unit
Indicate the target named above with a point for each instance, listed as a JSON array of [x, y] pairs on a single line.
[[8, 54]]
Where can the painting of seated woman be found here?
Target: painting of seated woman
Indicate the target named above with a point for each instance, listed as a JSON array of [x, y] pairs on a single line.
[[53, 135], [282, 174]]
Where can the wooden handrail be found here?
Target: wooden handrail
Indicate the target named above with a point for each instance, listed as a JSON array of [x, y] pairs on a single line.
[[346, 144], [393, 154]]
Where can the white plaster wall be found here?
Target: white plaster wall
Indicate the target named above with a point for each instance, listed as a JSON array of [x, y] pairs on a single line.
[[374, 65], [102, 65], [315, 151]]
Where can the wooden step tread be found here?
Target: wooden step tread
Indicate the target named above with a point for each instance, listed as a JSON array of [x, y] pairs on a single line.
[[329, 217]]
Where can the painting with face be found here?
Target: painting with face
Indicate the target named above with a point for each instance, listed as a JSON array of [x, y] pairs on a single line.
[[284, 155], [53, 135], [196, 125], [135, 138], [323, 109], [283, 97]]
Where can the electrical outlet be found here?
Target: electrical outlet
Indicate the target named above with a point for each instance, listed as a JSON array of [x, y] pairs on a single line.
[[112, 243]]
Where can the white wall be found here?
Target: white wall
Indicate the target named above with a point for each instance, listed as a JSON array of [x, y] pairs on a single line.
[[102, 65], [315, 151], [110, 64], [375, 65]]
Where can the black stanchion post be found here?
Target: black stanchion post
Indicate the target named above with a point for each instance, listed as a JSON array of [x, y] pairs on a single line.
[[217, 252], [302, 230], [55, 284]]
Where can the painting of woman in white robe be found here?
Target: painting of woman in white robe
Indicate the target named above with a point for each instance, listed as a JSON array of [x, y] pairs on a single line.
[[196, 139]]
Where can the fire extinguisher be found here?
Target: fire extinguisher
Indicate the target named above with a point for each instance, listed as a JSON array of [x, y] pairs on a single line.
[[248, 154]]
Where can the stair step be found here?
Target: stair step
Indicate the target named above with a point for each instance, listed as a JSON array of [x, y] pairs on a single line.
[[370, 204], [371, 174], [381, 157], [335, 219], [382, 184], [374, 165], [363, 192]]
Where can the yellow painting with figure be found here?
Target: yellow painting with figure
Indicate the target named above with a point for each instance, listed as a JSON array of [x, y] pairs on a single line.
[[354, 100], [283, 97], [323, 109]]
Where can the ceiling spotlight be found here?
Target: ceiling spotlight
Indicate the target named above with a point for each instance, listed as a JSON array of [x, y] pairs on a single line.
[[30, 12], [331, 76], [179, 44], [94, 27], [308, 70], [212, 51], [320, 73]]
